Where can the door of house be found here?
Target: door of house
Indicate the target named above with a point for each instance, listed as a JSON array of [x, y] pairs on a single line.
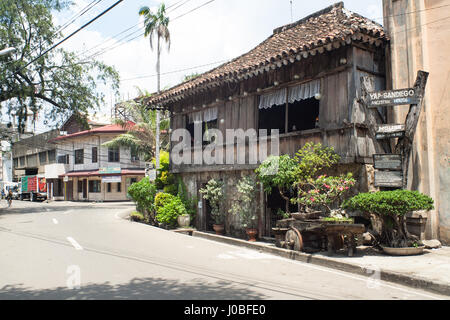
[[85, 185]]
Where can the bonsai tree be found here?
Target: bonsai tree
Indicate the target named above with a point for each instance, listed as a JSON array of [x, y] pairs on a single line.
[[278, 172], [244, 204], [390, 208], [214, 193], [312, 160], [324, 191]]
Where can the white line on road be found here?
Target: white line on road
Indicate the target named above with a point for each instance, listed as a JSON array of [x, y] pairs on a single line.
[[55, 221], [74, 243]]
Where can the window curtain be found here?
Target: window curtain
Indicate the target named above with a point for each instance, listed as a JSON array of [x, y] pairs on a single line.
[[195, 117], [210, 114], [276, 98], [304, 91]]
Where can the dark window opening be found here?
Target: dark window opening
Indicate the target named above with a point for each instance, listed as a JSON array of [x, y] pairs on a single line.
[[113, 155], [22, 161], [80, 186], [303, 115], [94, 186], [51, 156], [16, 162], [190, 128], [79, 156], [63, 159], [119, 187], [273, 118], [94, 155], [42, 157], [108, 188], [207, 126], [134, 154]]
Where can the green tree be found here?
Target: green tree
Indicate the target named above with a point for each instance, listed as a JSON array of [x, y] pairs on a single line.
[[278, 172], [140, 138], [157, 24], [57, 79]]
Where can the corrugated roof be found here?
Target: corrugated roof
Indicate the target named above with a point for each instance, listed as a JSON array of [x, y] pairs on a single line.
[[324, 30], [112, 128]]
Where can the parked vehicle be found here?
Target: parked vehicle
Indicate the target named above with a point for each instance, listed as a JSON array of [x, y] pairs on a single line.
[[33, 188]]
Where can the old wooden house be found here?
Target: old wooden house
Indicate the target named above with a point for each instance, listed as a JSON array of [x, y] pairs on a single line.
[[303, 80]]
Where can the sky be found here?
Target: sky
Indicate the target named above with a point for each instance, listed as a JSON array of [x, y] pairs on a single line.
[[214, 32]]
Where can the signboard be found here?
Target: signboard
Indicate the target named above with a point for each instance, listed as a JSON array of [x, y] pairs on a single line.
[[392, 98], [386, 131], [151, 174], [112, 179], [109, 170], [387, 161], [388, 179]]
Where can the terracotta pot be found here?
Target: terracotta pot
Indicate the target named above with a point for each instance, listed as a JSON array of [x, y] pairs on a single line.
[[408, 251], [251, 233], [219, 228]]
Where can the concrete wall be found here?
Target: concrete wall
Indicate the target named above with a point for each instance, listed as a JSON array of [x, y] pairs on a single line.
[[68, 147], [419, 41]]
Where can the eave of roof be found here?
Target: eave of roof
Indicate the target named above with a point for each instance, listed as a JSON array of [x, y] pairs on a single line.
[[325, 30], [112, 128]]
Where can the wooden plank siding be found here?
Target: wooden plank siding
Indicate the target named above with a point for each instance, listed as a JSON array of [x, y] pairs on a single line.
[[340, 118]]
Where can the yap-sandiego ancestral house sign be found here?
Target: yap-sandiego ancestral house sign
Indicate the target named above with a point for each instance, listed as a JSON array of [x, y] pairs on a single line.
[[392, 97], [391, 168]]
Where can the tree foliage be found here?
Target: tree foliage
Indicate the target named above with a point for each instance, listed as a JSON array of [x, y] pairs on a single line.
[[58, 79]]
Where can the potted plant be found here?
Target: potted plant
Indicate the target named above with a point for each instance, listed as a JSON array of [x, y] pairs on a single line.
[[244, 205], [214, 193], [389, 208]]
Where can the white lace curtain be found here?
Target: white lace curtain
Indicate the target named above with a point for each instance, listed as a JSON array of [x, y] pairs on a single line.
[[200, 116], [301, 92]]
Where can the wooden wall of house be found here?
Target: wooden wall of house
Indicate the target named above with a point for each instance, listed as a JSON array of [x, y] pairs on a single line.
[[339, 72]]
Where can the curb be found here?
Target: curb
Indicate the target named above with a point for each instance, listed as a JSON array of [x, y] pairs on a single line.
[[386, 275]]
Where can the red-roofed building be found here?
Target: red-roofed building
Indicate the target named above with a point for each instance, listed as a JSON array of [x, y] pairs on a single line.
[[86, 170]]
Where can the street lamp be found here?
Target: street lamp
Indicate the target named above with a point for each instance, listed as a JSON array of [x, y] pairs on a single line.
[[7, 51]]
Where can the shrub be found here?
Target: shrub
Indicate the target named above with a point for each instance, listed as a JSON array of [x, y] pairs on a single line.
[[390, 208], [190, 203], [169, 212], [143, 194], [161, 199], [244, 204], [137, 216], [214, 193]]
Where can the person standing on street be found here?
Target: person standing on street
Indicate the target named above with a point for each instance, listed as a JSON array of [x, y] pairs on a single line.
[[9, 197]]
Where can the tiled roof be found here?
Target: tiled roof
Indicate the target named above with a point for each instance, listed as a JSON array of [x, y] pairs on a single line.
[[327, 29], [111, 128]]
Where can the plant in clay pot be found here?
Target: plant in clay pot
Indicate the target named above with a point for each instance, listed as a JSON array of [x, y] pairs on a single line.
[[390, 209], [244, 205], [214, 193]]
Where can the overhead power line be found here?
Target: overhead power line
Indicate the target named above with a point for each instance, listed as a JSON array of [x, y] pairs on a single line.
[[72, 34]]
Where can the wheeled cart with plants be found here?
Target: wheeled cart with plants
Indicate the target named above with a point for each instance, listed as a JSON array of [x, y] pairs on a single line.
[[313, 235]]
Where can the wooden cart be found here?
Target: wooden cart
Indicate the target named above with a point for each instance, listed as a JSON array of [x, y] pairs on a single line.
[[314, 235]]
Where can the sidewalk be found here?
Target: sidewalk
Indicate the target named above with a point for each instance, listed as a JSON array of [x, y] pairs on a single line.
[[429, 271]]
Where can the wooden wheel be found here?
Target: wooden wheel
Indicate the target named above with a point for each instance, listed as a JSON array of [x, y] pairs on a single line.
[[294, 240]]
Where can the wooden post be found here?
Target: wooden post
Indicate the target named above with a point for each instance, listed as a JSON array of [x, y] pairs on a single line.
[[404, 144], [372, 118]]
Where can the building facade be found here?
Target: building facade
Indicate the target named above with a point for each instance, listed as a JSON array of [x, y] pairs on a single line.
[[87, 171], [304, 81], [419, 32]]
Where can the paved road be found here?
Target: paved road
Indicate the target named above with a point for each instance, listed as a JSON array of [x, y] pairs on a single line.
[[65, 250]]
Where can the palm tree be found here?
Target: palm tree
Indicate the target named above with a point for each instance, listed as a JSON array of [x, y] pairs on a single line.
[[157, 24]]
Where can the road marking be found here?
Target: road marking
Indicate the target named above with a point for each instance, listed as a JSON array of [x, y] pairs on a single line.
[[74, 243], [55, 221]]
